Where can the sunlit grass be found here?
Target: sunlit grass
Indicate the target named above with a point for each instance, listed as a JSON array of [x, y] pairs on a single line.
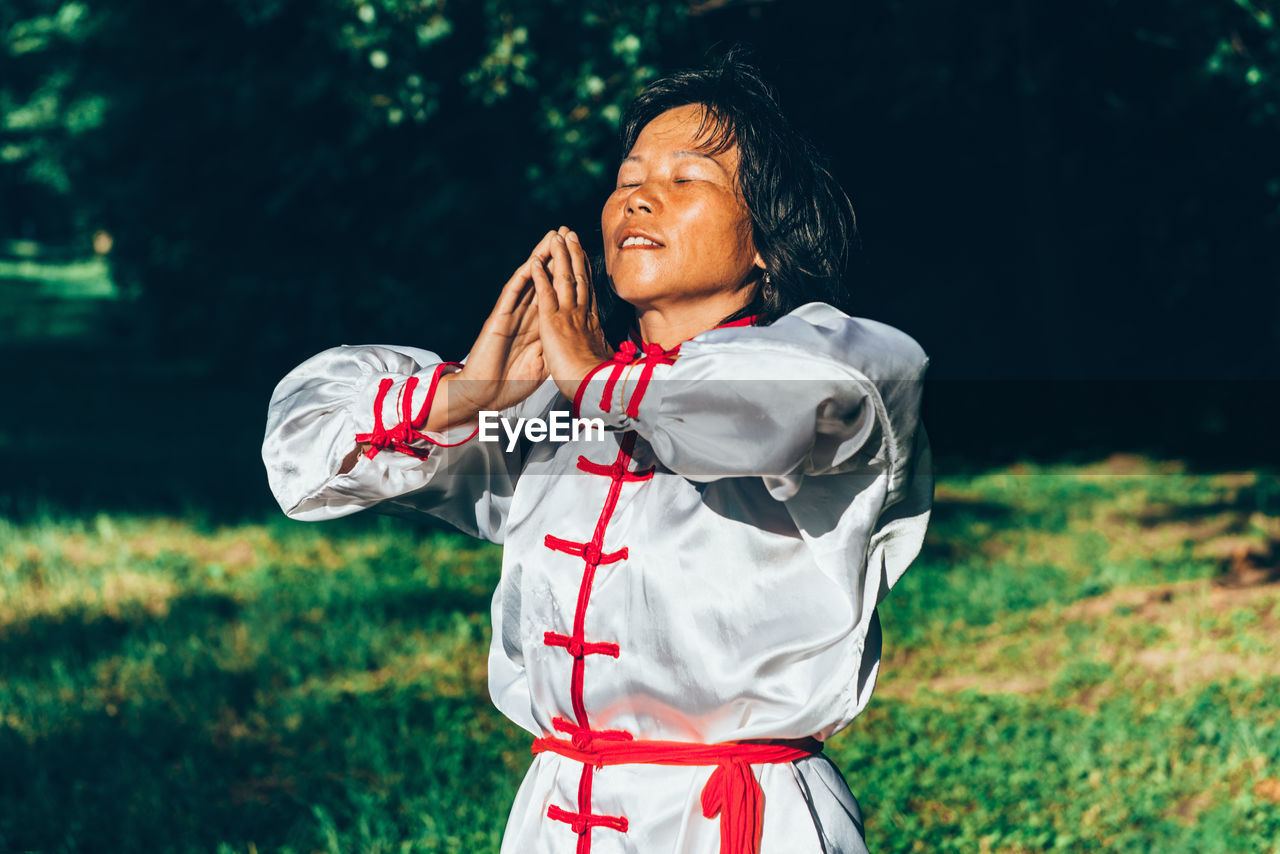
[[171, 687], [1061, 672]]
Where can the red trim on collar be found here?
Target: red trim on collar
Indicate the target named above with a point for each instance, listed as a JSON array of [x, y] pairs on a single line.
[[742, 321], [634, 333], [628, 352]]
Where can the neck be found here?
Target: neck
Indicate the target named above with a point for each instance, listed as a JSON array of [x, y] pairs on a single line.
[[672, 325]]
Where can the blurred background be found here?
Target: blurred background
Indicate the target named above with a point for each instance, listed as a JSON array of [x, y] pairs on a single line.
[[1075, 208]]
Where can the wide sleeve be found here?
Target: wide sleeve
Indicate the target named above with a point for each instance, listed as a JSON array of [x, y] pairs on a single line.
[[376, 395], [817, 392]]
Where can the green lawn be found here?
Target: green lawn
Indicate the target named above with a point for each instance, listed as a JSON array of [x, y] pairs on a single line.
[[1063, 670]]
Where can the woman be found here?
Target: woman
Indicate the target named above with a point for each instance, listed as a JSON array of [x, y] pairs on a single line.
[[687, 605]]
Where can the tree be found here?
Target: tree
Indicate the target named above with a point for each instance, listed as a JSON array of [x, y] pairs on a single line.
[[334, 162]]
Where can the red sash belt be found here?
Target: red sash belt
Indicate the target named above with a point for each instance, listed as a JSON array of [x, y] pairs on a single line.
[[732, 792]]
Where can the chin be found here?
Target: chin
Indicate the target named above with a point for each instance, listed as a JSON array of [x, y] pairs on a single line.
[[637, 293]]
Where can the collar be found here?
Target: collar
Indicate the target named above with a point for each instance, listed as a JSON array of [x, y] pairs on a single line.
[[653, 350]]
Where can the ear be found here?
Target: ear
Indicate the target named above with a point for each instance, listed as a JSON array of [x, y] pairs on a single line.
[[759, 262]]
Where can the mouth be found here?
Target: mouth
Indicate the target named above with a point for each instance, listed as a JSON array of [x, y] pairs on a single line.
[[632, 239]]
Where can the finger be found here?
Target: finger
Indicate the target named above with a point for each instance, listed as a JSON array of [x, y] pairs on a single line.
[[512, 290], [542, 284], [526, 335], [581, 270], [526, 298], [543, 250], [563, 231], [523, 307], [566, 291], [526, 313]]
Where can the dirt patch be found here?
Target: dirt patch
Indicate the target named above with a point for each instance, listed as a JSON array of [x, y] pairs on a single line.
[[1170, 637], [960, 682], [119, 592], [1268, 789], [1132, 464]]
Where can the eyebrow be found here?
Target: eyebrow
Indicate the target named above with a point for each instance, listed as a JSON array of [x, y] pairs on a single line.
[[683, 152]]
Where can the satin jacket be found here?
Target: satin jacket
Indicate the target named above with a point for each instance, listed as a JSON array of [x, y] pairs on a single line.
[[704, 570]]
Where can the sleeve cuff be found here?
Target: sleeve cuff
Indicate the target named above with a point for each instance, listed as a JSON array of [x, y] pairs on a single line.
[[405, 404]]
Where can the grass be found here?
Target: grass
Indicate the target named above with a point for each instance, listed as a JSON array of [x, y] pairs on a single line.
[[1064, 670]]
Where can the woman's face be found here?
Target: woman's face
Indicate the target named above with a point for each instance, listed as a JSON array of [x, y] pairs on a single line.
[[676, 229]]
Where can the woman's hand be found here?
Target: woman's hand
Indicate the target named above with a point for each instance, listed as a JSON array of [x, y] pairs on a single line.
[[505, 364], [573, 341]]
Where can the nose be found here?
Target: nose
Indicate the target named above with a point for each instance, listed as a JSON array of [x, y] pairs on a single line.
[[643, 198]]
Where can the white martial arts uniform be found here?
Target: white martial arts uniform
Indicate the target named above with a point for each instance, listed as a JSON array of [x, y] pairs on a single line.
[[729, 595]]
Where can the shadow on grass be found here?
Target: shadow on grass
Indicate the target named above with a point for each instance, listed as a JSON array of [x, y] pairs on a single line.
[[950, 511], [949, 540], [416, 603], [182, 730], [153, 779], [1261, 498], [78, 635]]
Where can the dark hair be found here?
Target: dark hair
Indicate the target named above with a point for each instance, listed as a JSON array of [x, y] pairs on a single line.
[[802, 223]]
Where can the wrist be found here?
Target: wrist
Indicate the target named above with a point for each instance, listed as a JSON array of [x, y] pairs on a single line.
[[451, 406], [571, 379], [581, 388]]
